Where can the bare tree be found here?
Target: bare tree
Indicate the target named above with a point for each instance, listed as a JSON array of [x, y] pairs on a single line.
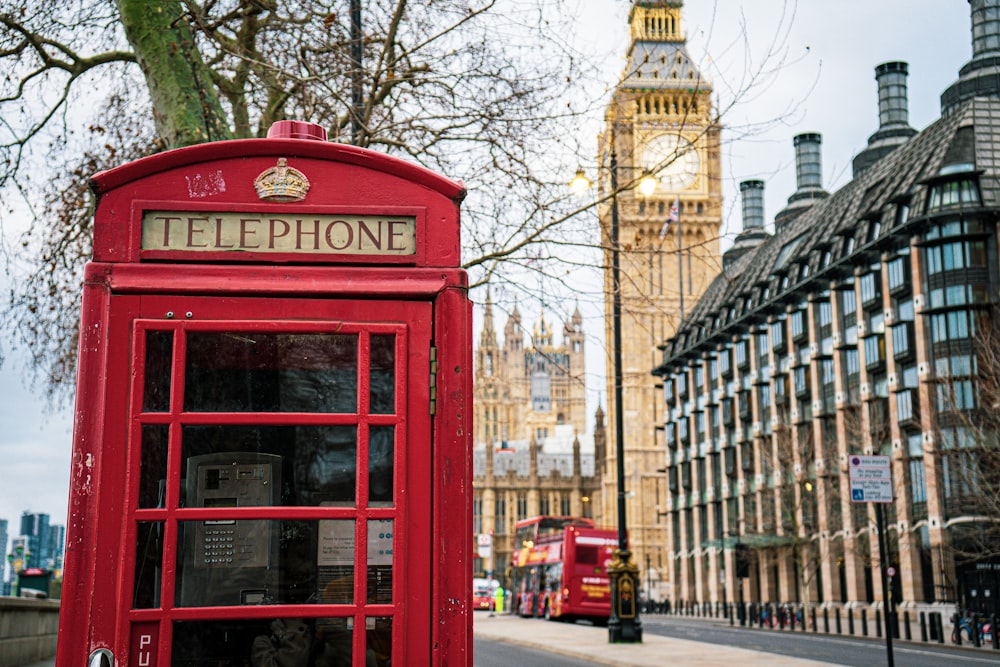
[[456, 86], [491, 92], [968, 423]]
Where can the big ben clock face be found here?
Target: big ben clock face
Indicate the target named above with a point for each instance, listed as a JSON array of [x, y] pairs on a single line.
[[672, 159]]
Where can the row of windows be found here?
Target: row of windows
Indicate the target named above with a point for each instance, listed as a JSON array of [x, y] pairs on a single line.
[[955, 255], [962, 191]]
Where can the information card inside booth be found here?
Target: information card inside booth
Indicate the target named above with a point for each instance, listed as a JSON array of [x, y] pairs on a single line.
[[270, 467]]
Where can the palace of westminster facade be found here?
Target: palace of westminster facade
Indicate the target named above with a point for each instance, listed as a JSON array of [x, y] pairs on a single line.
[[751, 377]]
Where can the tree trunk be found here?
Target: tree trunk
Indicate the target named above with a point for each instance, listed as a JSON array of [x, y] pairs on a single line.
[[186, 108]]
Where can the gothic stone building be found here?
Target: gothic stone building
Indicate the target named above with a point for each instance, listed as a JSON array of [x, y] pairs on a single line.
[[532, 452], [852, 330]]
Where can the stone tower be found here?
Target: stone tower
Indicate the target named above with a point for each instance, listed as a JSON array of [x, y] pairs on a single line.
[[659, 121]]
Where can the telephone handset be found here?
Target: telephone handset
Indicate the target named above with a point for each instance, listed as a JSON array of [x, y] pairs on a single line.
[[228, 557]]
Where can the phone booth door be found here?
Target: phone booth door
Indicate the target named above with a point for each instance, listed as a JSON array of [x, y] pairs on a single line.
[[277, 461]]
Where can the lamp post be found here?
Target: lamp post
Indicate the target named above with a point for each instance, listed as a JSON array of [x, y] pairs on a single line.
[[624, 624]]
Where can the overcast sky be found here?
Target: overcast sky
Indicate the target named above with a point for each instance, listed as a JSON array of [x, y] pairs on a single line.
[[824, 55]]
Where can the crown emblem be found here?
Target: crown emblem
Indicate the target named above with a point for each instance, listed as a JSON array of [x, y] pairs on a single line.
[[281, 183]]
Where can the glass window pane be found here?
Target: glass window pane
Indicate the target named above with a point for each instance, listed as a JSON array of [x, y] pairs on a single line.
[[378, 641], [383, 375], [156, 381], [381, 447], [263, 562], [380, 544], [256, 372], [153, 466], [281, 641], [148, 565], [335, 562], [251, 465]]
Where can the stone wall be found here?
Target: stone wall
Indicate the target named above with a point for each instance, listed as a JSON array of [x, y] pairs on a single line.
[[27, 630]]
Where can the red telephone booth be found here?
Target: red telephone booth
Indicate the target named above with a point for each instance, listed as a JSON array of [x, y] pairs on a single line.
[[271, 447]]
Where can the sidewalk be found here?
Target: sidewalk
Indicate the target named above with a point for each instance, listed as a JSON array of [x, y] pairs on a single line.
[[589, 643]]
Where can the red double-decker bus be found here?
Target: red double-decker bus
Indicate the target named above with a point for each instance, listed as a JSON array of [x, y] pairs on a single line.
[[559, 569]]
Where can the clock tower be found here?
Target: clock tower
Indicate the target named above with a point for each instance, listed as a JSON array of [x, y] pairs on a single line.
[[659, 121]]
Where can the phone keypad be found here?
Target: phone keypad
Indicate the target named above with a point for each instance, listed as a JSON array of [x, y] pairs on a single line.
[[218, 546]]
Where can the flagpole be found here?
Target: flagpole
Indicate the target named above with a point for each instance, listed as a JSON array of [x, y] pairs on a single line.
[[680, 262]]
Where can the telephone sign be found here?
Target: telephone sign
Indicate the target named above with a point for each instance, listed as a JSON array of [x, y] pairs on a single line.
[[265, 453]]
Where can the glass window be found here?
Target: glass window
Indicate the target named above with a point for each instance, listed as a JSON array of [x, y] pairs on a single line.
[[897, 271], [742, 359], [902, 339], [778, 335], [797, 320], [871, 287], [954, 193], [159, 362], [262, 372], [918, 481]]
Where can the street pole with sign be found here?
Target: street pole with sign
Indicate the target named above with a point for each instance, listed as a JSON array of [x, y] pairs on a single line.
[[871, 482]]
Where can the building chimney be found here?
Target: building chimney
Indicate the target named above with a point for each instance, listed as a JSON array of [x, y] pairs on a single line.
[[808, 178], [808, 162], [980, 77], [753, 234], [752, 193], [893, 116]]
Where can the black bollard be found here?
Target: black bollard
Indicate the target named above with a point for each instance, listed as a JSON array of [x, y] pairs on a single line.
[[974, 625], [864, 622], [878, 623], [994, 635], [850, 622], [923, 627], [839, 628], [826, 620], [939, 624], [815, 627], [956, 632]]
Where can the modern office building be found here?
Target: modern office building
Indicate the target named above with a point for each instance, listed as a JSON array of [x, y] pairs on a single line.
[[44, 542], [659, 120], [856, 328], [4, 570], [35, 530], [533, 451]]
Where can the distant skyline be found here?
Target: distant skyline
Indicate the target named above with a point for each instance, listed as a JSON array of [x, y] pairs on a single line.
[[832, 50]]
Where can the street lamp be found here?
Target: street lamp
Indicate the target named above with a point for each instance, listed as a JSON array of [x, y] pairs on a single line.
[[624, 625]]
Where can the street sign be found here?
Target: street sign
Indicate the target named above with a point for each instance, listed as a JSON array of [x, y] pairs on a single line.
[[871, 479], [485, 545]]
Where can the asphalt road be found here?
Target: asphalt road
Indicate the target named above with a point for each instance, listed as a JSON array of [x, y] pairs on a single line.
[[838, 650], [488, 653]]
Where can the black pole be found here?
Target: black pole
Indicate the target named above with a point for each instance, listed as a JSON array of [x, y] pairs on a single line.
[[680, 260], [357, 51], [883, 564], [624, 625], [616, 344]]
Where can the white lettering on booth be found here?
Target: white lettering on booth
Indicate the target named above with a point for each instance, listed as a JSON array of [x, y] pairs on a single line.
[[190, 231], [146, 649]]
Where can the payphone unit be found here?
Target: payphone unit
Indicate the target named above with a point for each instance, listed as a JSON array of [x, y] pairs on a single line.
[[229, 561]]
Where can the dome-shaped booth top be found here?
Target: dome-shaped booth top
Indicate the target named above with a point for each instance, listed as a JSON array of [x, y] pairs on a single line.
[[277, 200]]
